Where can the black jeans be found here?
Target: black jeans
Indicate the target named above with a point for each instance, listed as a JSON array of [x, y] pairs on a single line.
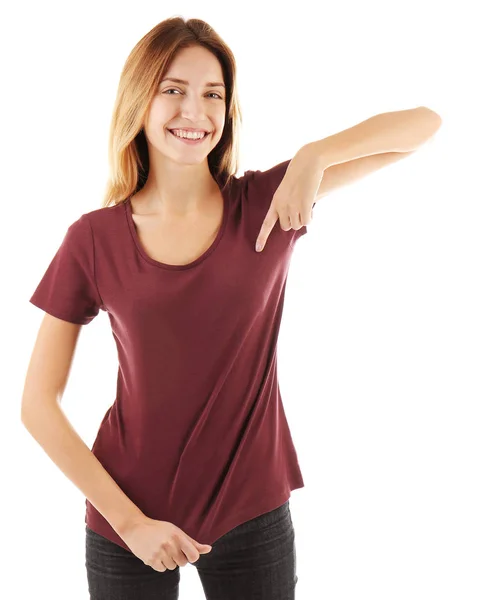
[[257, 560]]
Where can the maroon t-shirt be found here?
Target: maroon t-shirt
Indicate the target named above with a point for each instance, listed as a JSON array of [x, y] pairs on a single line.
[[197, 434]]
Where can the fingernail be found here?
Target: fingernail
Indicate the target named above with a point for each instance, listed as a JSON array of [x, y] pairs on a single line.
[[258, 247]]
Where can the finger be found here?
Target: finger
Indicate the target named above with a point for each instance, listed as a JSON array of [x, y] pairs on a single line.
[[167, 560], [197, 544], [158, 566], [296, 222], [189, 549], [285, 221], [179, 557], [266, 228]]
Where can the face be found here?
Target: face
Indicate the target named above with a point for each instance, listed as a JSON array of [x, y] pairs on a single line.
[[197, 104]]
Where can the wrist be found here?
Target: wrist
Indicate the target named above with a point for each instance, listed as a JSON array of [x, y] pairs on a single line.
[[314, 155], [127, 522]]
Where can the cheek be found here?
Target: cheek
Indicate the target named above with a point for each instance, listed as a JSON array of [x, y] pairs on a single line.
[[219, 122], [159, 114]]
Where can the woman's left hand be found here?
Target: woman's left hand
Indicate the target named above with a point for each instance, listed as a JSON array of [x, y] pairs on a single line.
[[294, 198]]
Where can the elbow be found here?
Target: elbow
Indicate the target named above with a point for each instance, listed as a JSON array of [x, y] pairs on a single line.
[[32, 408], [26, 415], [433, 114]]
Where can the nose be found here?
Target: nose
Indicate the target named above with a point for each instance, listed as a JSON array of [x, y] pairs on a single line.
[[193, 108]]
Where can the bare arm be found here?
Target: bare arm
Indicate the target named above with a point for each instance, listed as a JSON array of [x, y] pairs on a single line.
[[43, 417]]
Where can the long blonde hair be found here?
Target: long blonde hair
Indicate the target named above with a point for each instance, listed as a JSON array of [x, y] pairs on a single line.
[[144, 68]]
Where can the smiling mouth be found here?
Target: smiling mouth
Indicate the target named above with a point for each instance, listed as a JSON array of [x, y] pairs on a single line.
[[187, 138], [190, 141]]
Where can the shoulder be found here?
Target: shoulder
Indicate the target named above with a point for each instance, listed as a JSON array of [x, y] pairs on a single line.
[[269, 172], [81, 233], [264, 179], [100, 218], [259, 185]]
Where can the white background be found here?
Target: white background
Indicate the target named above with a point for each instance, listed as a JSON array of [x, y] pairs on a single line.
[[378, 350]]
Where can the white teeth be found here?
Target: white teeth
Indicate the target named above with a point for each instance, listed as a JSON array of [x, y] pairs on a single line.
[[189, 134]]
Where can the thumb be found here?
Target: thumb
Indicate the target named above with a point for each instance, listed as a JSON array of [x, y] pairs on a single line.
[[203, 546], [198, 544]]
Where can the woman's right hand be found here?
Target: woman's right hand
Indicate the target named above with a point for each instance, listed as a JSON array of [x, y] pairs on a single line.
[[161, 544]]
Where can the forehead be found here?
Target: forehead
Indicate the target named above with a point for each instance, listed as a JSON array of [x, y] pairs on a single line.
[[195, 65]]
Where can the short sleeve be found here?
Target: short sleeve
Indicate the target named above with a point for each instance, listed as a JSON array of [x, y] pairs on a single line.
[[262, 186], [68, 288]]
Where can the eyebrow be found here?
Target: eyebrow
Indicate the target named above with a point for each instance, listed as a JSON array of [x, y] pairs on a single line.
[[209, 84]]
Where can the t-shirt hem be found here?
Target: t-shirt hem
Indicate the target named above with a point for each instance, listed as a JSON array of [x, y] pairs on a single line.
[[238, 519], [104, 529], [58, 314]]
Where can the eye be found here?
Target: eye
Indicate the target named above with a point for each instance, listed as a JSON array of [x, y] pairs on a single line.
[[175, 90]]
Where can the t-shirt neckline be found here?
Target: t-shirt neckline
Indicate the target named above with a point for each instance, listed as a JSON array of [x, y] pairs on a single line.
[[132, 227]]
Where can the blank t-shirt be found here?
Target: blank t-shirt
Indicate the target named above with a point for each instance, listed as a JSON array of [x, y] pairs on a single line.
[[197, 434]]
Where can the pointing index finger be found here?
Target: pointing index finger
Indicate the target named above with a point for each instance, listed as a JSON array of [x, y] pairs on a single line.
[[266, 228]]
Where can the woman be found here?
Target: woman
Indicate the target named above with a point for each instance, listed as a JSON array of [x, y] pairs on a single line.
[[194, 461]]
